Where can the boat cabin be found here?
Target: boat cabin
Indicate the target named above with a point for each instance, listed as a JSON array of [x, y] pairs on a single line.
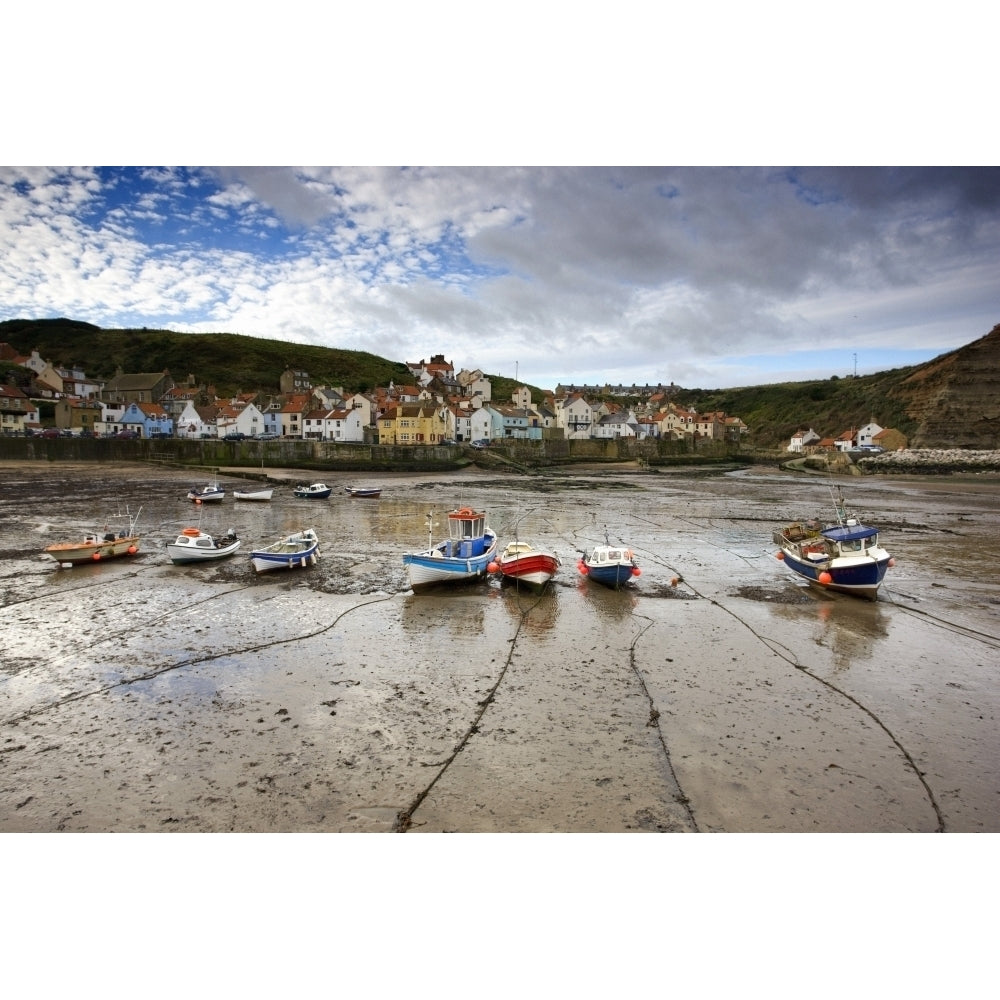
[[466, 533]]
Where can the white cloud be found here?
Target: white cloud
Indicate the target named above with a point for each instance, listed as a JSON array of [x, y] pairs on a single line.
[[589, 274]]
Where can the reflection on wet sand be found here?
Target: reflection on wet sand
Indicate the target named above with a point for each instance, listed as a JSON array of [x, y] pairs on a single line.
[[539, 612], [850, 628], [608, 605]]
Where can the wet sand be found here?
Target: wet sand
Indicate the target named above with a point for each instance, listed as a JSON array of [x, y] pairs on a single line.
[[141, 696]]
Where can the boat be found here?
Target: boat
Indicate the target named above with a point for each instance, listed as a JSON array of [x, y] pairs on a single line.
[[609, 565], [301, 548], [844, 556], [364, 491], [97, 546], [252, 494], [195, 545], [462, 557], [317, 491], [211, 493], [523, 563]]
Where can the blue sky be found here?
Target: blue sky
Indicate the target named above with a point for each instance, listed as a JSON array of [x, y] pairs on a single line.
[[706, 277]]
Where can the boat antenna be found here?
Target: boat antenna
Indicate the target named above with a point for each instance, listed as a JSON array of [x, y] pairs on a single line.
[[430, 531]]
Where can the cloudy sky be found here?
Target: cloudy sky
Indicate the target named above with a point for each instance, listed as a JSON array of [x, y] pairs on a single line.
[[706, 277]]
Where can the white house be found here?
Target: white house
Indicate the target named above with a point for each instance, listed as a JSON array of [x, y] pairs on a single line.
[[866, 435], [622, 424], [801, 439], [575, 416]]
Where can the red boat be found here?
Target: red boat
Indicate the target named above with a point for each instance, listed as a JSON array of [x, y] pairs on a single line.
[[524, 563]]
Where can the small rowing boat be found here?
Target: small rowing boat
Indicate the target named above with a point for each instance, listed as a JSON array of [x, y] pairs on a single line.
[[299, 549]]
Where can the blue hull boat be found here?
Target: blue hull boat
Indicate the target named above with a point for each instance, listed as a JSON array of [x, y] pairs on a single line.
[[845, 557]]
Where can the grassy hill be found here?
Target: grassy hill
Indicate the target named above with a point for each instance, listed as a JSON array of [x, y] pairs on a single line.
[[231, 362], [775, 412]]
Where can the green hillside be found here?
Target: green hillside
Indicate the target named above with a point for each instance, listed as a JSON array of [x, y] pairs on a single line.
[[231, 362], [775, 412]]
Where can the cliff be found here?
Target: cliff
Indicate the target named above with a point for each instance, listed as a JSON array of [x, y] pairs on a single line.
[[955, 399]]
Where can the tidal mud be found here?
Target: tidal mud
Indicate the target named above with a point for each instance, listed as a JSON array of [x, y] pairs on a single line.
[[714, 693]]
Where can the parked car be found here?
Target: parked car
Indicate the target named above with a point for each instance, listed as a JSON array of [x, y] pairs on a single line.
[[481, 443], [235, 436], [267, 437], [126, 434], [51, 432]]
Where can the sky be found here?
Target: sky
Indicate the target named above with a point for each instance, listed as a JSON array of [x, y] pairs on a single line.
[[704, 277]]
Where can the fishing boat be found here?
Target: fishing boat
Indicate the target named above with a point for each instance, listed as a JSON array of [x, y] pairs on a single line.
[[252, 494], [374, 492], [299, 549], [609, 565], [523, 563], [194, 545], [210, 493], [463, 556], [97, 546], [317, 491], [844, 556]]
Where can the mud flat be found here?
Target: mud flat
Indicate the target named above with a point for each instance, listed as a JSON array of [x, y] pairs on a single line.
[[715, 693]]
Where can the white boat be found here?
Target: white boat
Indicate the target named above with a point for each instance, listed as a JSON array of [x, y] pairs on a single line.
[[370, 492], [298, 549], [252, 494], [463, 556], [211, 493], [97, 546], [195, 545], [316, 491]]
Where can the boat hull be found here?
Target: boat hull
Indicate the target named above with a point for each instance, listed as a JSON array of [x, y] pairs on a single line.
[[258, 495], [215, 496], [79, 553], [610, 576], [861, 577], [200, 548], [313, 494], [294, 552], [432, 568], [370, 494], [534, 569]]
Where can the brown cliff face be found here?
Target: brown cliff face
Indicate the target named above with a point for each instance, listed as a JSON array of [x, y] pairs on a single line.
[[955, 399]]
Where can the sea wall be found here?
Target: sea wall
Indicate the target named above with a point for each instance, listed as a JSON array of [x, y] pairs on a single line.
[[930, 461]]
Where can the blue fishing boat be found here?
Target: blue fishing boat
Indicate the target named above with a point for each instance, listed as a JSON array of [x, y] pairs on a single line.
[[315, 491], [845, 556], [463, 556], [609, 565]]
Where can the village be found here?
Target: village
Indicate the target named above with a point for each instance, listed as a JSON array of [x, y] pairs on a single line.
[[442, 406]]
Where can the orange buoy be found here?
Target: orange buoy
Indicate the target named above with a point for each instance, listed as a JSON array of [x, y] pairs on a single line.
[[96, 556], [636, 571], [132, 550], [825, 578], [674, 581], [197, 499], [892, 562], [582, 567], [191, 532], [492, 567], [779, 554]]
